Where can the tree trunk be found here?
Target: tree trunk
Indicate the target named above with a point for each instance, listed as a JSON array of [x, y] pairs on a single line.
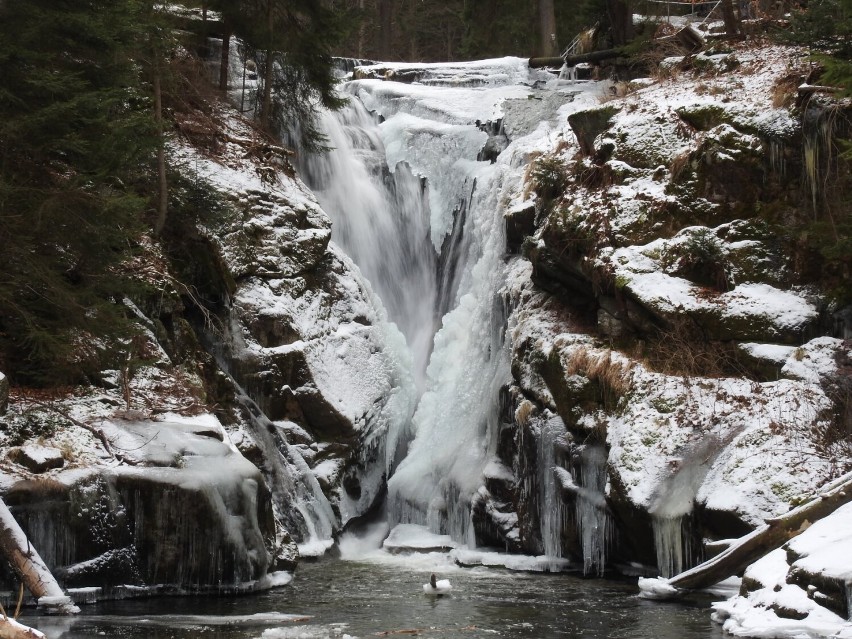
[[162, 182], [361, 30], [571, 60], [732, 24], [385, 27], [29, 566], [621, 21], [547, 28], [225, 60], [11, 629], [745, 551]]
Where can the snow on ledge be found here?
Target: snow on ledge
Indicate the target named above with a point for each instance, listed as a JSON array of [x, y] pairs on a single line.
[[521, 563], [414, 538]]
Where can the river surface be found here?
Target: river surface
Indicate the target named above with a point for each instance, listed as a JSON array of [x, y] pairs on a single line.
[[335, 598]]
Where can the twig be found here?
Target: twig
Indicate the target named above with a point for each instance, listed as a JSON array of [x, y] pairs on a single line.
[[20, 600], [97, 432]]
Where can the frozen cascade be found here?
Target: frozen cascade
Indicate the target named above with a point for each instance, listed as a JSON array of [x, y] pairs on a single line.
[[847, 589], [294, 481], [670, 544], [294, 487], [594, 525], [672, 508], [423, 220], [551, 504]]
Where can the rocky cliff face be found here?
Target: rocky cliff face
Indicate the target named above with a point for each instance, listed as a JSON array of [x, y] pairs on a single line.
[[661, 315], [212, 467]]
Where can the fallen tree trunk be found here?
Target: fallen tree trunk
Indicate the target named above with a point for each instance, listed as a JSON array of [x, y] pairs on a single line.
[[29, 566], [11, 629], [572, 60], [745, 551]]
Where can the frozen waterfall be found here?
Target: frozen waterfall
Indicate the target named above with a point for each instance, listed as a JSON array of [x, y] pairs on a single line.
[[422, 218]]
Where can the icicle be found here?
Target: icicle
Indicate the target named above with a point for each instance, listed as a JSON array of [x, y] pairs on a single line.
[[670, 544], [552, 508], [593, 522], [848, 589]]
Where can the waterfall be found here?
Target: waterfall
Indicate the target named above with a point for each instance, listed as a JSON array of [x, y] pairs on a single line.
[[421, 217], [381, 219], [297, 496]]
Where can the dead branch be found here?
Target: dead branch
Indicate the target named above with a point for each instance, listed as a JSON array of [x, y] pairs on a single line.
[[97, 432]]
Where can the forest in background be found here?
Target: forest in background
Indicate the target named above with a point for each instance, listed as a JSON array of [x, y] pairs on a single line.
[[429, 31]]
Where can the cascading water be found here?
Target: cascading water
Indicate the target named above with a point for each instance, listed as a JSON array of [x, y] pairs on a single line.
[[669, 542], [670, 514], [297, 496], [421, 217], [381, 219]]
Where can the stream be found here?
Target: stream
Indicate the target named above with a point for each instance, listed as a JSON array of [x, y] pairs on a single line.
[[382, 596]]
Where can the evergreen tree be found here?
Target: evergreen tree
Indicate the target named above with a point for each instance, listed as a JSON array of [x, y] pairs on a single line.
[[294, 40], [74, 144], [826, 28]]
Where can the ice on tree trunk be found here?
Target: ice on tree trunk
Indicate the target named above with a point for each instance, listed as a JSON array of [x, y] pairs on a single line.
[[28, 564]]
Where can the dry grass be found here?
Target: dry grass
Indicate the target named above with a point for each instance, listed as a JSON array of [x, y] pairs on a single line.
[[684, 352], [523, 413], [679, 164], [612, 373]]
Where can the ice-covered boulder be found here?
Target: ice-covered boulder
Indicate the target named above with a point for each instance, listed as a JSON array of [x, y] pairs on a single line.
[[305, 337], [185, 512]]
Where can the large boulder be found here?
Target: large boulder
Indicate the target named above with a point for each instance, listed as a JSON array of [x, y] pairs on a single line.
[[188, 513]]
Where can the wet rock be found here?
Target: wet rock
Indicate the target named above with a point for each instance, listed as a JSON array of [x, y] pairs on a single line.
[[587, 125], [520, 224], [199, 519]]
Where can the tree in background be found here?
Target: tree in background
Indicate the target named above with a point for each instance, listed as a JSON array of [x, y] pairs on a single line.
[[433, 30], [75, 143], [547, 29], [825, 27], [293, 41]]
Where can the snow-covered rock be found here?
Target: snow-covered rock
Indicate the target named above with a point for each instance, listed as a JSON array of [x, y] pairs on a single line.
[[185, 510], [37, 459], [305, 336], [799, 590]]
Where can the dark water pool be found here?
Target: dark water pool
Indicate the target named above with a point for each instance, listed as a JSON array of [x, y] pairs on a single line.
[[385, 598]]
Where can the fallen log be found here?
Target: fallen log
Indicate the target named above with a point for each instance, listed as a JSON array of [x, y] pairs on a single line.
[[573, 60], [26, 562], [748, 549], [11, 629]]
